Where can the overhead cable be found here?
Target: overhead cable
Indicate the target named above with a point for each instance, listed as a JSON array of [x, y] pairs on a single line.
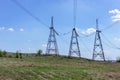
[[29, 12], [109, 26], [113, 45]]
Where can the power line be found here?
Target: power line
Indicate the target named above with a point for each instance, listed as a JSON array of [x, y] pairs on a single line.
[[85, 36], [114, 46], [31, 14], [108, 45], [88, 50], [67, 33], [109, 26], [63, 40], [74, 44], [28, 12], [74, 12]]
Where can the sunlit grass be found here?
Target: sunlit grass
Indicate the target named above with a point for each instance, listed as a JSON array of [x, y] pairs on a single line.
[[52, 67]]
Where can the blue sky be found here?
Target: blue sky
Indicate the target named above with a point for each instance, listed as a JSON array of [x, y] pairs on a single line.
[[20, 31]]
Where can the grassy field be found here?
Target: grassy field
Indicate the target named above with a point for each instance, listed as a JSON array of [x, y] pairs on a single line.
[[33, 67]]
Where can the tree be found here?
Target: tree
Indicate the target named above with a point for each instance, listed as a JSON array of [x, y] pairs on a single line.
[[4, 53], [39, 52], [17, 54], [1, 53]]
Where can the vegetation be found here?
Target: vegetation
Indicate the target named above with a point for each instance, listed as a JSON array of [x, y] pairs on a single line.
[[53, 67], [20, 55], [3, 53], [39, 52], [17, 54], [118, 59]]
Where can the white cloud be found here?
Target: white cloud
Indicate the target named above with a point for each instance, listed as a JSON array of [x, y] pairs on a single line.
[[2, 28], [11, 29], [44, 45], [116, 15], [88, 31], [117, 39], [114, 11], [21, 29]]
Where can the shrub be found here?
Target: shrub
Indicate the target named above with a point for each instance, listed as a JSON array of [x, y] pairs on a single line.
[[39, 52], [1, 53], [4, 53], [17, 54], [10, 56]]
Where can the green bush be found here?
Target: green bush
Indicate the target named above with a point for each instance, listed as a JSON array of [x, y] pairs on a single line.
[[10, 56], [1, 53], [17, 54], [39, 52], [4, 53]]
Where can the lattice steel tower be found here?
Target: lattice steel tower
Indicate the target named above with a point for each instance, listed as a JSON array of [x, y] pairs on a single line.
[[52, 47], [74, 45], [98, 48]]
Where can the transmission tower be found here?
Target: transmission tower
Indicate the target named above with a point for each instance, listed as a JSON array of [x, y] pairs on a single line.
[[74, 45], [52, 47], [98, 48]]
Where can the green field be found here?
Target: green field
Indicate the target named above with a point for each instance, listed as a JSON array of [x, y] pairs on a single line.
[[32, 67]]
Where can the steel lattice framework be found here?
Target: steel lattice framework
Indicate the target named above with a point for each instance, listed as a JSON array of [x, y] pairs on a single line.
[[98, 48], [74, 45], [52, 47]]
